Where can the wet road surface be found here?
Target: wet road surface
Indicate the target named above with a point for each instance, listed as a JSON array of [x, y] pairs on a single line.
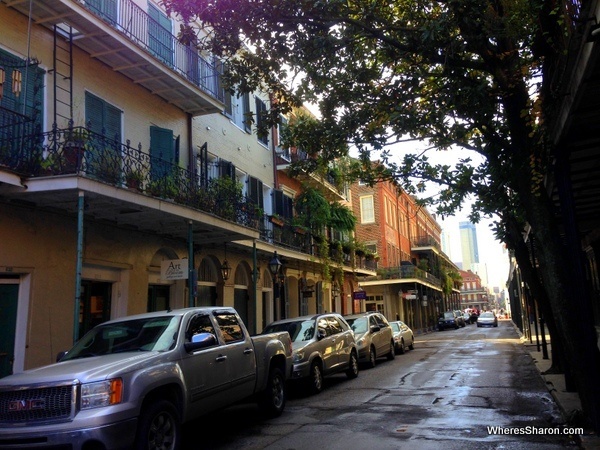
[[446, 393]]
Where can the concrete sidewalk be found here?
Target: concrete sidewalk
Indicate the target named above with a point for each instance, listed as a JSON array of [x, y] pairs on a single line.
[[568, 402]]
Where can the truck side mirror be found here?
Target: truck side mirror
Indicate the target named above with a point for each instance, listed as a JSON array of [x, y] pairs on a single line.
[[200, 341]]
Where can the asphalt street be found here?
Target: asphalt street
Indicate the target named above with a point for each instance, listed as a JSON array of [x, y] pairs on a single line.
[[458, 389]]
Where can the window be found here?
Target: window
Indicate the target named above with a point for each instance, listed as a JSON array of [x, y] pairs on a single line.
[[261, 111], [199, 324], [322, 326], [102, 117], [238, 110], [21, 114], [160, 38], [255, 191], [164, 151], [282, 204], [367, 210], [230, 327], [107, 9], [334, 325]]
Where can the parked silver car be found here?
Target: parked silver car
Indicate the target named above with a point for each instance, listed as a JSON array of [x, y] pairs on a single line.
[[487, 319], [373, 335], [403, 337], [323, 344]]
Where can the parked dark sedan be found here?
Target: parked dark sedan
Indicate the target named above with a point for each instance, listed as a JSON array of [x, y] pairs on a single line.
[[447, 320]]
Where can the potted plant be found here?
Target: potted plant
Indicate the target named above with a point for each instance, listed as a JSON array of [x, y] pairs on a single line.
[[134, 179], [276, 219], [76, 141]]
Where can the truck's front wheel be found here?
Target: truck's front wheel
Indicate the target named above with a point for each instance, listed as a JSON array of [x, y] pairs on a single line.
[[272, 400], [159, 427]]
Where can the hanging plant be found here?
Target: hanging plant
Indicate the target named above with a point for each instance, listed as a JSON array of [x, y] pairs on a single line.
[[313, 210], [341, 217]]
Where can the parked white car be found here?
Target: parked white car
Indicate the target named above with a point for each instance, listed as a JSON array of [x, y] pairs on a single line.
[[373, 335], [403, 337]]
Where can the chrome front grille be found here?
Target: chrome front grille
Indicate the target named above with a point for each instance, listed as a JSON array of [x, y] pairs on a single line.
[[37, 404]]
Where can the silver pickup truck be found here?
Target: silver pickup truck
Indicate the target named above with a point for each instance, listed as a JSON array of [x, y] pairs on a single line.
[[131, 382]]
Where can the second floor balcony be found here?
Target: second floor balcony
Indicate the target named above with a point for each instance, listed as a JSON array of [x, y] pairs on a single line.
[[126, 186], [405, 272]]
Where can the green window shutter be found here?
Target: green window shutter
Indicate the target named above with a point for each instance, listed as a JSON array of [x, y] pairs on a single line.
[[283, 205], [255, 191], [94, 113], [107, 9], [261, 110], [159, 35], [102, 117], [161, 151], [247, 114]]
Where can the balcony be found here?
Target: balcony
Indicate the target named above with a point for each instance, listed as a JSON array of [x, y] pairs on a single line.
[[129, 41], [123, 186], [406, 273], [424, 243], [286, 157]]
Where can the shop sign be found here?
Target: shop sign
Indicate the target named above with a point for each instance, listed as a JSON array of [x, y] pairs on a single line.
[[359, 295], [174, 269]]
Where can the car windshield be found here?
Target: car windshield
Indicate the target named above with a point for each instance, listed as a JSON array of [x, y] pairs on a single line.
[[358, 325], [157, 334], [395, 326], [448, 315], [302, 330], [489, 315]]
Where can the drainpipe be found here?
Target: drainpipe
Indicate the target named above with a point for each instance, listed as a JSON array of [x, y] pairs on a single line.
[[255, 282], [191, 277], [79, 265], [191, 158]]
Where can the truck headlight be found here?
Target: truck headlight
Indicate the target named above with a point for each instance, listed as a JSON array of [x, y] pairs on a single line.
[[102, 393], [298, 356]]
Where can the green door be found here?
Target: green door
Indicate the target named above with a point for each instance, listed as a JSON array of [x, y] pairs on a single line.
[[9, 294]]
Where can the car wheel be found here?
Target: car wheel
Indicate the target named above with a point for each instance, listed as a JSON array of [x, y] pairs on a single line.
[[412, 344], [401, 347], [159, 427], [352, 371], [392, 353], [372, 357], [315, 378], [272, 401]]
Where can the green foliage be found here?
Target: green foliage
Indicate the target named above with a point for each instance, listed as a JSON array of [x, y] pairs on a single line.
[[341, 218], [313, 209]]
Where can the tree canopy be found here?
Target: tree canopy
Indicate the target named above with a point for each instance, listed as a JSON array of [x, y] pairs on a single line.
[[453, 73]]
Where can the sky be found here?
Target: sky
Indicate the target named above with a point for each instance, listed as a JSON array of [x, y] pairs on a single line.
[[491, 251]]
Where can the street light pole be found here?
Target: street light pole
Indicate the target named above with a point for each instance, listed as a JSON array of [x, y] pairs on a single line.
[[275, 267]]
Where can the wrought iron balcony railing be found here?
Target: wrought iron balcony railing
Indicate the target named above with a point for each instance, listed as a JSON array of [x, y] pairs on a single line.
[[80, 151], [77, 150], [402, 272]]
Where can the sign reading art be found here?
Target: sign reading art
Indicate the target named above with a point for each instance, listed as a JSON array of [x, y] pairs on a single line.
[[174, 269]]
